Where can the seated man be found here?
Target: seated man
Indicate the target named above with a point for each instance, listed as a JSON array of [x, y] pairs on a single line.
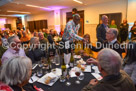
[[114, 79], [111, 42], [43, 41], [35, 53], [14, 48]]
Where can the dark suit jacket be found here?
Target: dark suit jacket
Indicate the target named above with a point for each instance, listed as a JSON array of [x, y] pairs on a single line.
[[115, 46], [101, 33]]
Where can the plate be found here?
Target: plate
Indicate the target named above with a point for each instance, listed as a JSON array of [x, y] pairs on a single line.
[[77, 56], [52, 75]]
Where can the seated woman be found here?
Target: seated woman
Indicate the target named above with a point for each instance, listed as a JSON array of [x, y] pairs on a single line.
[[130, 61], [83, 48], [16, 72], [35, 53]]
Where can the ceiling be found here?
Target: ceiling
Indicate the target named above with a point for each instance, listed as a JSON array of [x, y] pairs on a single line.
[[20, 5]]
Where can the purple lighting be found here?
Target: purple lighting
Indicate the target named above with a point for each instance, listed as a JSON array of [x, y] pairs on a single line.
[[57, 7]]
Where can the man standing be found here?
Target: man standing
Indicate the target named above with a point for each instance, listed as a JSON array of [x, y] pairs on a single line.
[[101, 30], [69, 36], [71, 30]]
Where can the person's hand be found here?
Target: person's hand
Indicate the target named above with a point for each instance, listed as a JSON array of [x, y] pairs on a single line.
[[93, 61], [84, 40], [93, 82], [85, 55]]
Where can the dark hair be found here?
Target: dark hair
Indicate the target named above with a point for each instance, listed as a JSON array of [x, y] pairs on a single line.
[[131, 53], [74, 11]]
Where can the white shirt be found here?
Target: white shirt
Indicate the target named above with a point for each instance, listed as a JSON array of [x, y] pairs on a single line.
[[113, 41], [9, 53]]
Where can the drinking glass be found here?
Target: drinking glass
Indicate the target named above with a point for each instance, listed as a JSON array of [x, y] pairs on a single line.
[[77, 72], [68, 76]]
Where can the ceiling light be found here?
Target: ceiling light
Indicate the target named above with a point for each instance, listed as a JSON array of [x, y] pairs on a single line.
[[38, 6], [78, 1], [19, 12]]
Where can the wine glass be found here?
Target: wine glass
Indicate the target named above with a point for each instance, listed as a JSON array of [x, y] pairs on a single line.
[[46, 66], [77, 72], [68, 76]]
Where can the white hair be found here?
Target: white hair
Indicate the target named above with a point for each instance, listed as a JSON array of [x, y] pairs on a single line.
[[16, 70], [32, 40], [11, 39], [103, 17], [110, 61], [114, 31]]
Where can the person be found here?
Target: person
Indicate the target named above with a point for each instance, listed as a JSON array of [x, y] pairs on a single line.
[[112, 42], [129, 65], [114, 79], [51, 41], [43, 41], [101, 30], [4, 40], [2, 49], [16, 73], [61, 32], [14, 49], [25, 38], [35, 34], [133, 31], [70, 32], [123, 31], [113, 24], [74, 11], [34, 52], [4, 87], [46, 32], [82, 48]]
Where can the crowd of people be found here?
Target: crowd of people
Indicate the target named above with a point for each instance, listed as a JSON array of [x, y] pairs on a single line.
[[118, 72]]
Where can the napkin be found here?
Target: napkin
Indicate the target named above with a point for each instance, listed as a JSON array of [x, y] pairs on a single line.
[[58, 72], [33, 78], [97, 76], [87, 68], [96, 70]]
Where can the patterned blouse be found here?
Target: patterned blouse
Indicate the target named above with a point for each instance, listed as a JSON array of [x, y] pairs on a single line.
[[70, 32]]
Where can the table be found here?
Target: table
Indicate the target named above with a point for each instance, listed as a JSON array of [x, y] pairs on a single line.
[[61, 86]]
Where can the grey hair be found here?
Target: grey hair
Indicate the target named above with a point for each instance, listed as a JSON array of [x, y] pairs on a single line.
[[110, 61], [103, 17], [39, 33], [11, 39], [16, 70], [114, 31], [32, 40]]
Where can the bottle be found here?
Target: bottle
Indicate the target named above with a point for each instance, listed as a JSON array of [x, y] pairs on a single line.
[[63, 67], [49, 62], [72, 60]]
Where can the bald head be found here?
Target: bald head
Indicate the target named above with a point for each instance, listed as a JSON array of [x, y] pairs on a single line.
[[110, 61], [105, 19]]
